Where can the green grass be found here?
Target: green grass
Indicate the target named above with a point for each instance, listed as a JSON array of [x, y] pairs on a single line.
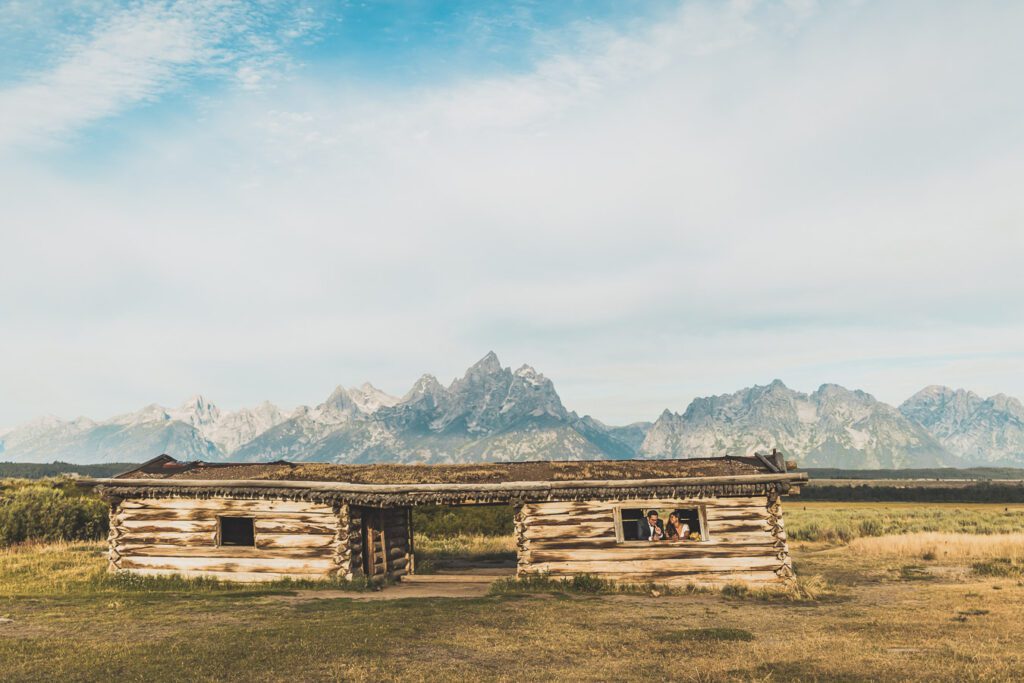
[[705, 635], [581, 584], [1002, 567]]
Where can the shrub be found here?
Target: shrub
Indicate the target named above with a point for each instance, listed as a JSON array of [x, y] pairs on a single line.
[[1000, 567], [47, 512], [485, 520]]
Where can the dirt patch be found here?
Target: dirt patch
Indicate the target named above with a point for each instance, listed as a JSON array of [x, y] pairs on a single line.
[[461, 585]]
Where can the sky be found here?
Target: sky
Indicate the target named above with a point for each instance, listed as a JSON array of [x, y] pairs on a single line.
[[646, 201]]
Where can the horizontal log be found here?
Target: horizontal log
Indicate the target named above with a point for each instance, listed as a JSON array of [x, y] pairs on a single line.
[[764, 553], [568, 521], [655, 550], [278, 526], [742, 526], [683, 579], [281, 565], [667, 566], [295, 541], [581, 531], [169, 538], [157, 526], [717, 517], [212, 514], [742, 537], [129, 549], [538, 486], [553, 517], [557, 507], [241, 577], [221, 503]]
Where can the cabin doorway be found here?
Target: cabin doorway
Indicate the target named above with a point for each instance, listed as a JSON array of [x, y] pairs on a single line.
[[467, 540], [385, 541]]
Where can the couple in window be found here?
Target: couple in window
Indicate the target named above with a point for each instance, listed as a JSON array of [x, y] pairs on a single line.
[[652, 528]]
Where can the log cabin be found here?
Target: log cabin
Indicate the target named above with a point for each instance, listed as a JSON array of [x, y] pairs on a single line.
[[270, 521]]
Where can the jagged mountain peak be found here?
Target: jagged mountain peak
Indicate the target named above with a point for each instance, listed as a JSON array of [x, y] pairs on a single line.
[[426, 385], [488, 365], [833, 426], [1007, 403], [196, 411], [370, 399], [495, 413], [985, 431], [339, 397]]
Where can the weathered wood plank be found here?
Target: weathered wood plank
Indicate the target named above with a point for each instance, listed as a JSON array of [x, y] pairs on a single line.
[[261, 526], [547, 533], [578, 506], [295, 540], [211, 514], [277, 526], [684, 579], [176, 538], [156, 526], [564, 521], [209, 539], [225, 504], [244, 577], [710, 564], [742, 526], [150, 550], [623, 553], [762, 541], [280, 565], [652, 555]]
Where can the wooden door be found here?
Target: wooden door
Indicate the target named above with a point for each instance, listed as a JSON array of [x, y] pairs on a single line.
[[375, 556]]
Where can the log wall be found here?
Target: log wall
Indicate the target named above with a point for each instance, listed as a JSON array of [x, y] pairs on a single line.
[[293, 539], [746, 543]]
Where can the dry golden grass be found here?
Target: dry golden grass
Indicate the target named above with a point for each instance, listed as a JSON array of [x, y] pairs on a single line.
[[941, 546], [881, 626], [465, 545], [862, 611]]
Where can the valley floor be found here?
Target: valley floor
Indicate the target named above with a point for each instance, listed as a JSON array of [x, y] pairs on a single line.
[[918, 607]]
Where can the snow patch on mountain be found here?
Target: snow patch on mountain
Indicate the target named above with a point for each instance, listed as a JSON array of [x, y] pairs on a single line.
[[831, 427], [984, 431], [494, 413]]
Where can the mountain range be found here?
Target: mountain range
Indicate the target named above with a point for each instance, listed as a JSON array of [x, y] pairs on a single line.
[[494, 413]]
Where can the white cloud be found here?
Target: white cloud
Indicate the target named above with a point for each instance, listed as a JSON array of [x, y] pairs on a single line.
[[136, 54], [738, 193]]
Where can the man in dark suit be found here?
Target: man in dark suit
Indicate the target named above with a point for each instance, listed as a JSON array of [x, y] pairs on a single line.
[[651, 529]]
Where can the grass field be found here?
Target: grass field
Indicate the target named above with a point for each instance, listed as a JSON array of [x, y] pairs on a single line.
[[925, 605]]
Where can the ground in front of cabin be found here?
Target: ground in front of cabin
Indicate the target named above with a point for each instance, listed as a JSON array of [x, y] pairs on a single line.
[[924, 607]]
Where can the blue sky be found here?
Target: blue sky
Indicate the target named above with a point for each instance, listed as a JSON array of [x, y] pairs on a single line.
[[648, 201]]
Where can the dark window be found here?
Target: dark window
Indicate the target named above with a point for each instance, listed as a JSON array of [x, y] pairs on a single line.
[[631, 521], [237, 531]]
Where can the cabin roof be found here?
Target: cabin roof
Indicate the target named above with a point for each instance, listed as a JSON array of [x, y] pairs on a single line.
[[165, 467], [385, 485]]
